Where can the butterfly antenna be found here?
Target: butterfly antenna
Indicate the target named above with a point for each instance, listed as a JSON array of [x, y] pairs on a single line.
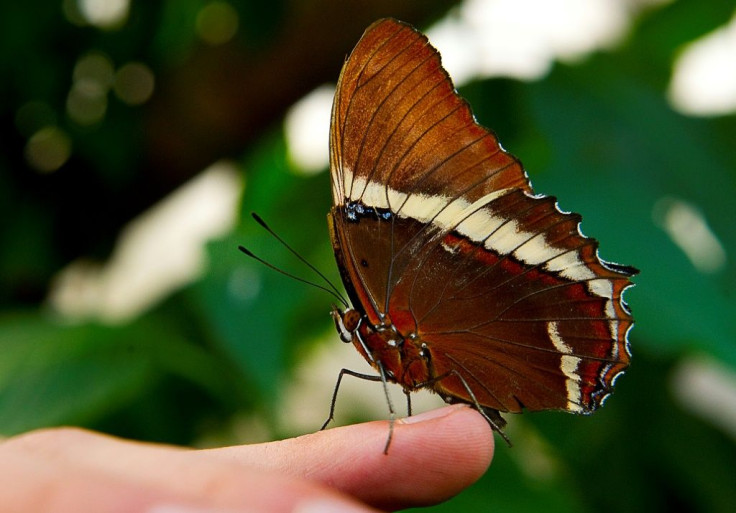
[[332, 289], [260, 221], [297, 278]]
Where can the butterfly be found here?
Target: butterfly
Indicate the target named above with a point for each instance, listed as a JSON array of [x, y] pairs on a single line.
[[463, 281]]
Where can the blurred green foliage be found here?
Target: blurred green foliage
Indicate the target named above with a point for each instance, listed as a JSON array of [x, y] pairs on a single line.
[[598, 134]]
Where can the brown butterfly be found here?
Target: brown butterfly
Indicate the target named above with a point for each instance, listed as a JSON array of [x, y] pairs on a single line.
[[462, 280]]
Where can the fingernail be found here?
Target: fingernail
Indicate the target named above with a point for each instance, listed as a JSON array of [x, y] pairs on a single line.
[[179, 508], [432, 414], [329, 506]]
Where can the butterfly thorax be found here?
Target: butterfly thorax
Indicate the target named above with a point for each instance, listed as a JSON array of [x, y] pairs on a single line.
[[403, 358]]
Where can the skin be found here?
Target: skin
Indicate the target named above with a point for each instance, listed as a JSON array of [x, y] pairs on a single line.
[[432, 457]]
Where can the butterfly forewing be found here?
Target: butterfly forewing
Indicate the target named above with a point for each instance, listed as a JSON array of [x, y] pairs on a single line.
[[437, 232], [399, 127]]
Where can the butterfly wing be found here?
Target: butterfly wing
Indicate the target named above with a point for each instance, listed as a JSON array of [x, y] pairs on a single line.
[[436, 225], [400, 137]]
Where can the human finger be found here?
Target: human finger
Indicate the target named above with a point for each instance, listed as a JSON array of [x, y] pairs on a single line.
[[432, 457], [73, 470]]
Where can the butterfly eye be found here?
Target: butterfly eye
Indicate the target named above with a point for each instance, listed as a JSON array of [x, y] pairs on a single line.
[[351, 320]]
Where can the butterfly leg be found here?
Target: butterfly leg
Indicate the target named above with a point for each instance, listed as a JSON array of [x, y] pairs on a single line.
[[367, 377], [391, 411], [493, 417]]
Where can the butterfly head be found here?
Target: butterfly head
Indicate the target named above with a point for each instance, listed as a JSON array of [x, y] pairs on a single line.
[[346, 322]]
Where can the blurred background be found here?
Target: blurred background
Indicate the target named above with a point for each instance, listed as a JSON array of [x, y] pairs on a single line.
[[137, 137]]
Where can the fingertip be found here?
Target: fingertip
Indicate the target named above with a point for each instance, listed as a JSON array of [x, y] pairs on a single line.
[[432, 457], [455, 439]]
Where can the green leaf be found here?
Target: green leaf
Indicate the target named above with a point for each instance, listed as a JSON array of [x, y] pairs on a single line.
[[53, 374]]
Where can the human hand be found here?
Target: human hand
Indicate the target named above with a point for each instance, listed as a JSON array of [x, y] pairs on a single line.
[[432, 457]]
